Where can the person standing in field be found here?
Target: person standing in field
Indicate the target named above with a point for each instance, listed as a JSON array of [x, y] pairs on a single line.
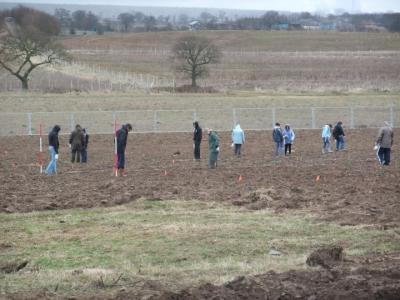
[[85, 146], [326, 139], [238, 139], [288, 136], [76, 142], [122, 138], [338, 134], [213, 148], [277, 137], [384, 143], [53, 150], [197, 137]]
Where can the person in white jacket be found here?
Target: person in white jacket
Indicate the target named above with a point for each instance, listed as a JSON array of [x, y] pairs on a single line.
[[326, 138], [238, 139]]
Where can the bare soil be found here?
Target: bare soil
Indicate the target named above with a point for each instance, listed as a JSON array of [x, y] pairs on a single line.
[[349, 188]]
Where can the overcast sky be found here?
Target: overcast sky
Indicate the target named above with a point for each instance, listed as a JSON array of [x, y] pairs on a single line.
[[282, 5]]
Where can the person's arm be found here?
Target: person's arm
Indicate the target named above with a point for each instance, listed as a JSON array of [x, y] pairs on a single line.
[[380, 136]]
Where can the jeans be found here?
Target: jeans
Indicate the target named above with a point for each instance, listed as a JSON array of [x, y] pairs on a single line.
[[278, 148], [340, 143], [84, 155], [384, 156], [288, 148], [76, 153], [238, 148], [52, 167], [326, 144], [121, 160]]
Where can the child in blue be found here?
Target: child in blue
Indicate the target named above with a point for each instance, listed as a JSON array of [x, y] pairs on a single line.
[[288, 137]]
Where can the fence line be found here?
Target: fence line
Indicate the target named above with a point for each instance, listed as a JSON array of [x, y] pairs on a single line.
[[175, 120]]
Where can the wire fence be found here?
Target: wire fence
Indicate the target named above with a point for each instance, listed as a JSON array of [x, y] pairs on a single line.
[[153, 121]]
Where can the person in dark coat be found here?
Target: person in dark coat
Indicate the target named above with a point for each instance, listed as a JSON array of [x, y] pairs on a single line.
[[213, 148], [338, 134], [76, 142], [85, 146], [122, 138], [277, 137], [53, 150], [197, 136]]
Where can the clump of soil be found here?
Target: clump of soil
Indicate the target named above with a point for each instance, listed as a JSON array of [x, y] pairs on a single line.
[[13, 267], [326, 257]]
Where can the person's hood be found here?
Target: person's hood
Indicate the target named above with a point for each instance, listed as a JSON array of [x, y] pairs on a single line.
[[237, 127]]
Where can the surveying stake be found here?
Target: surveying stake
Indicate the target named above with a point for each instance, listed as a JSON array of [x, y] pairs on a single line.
[[115, 150], [40, 149]]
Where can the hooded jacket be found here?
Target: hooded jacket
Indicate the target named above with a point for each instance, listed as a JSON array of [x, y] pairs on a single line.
[[338, 131], [213, 142], [289, 136], [122, 138], [238, 135], [326, 132], [53, 138], [197, 133], [76, 139], [385, 137], [277, 135]]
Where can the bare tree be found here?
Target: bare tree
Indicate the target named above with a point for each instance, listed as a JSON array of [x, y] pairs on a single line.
[[126, 19], [28, 46], [193, 54]]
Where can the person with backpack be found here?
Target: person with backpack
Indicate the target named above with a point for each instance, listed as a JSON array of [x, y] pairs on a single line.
[[76, 143], [53, 150], [122, 138], [338, 134], [277, 137], [288, 136]]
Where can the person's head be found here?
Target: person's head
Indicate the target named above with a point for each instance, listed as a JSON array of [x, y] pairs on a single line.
[[277, 124], [330, 125], [287, 126], [128, 127], [195, 124], [209, 130], [78, 127], [340, 123], [387, 124], [56, 128]]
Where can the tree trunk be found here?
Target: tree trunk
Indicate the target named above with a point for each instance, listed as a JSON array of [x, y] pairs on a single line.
[[194, 78], [24, 83]]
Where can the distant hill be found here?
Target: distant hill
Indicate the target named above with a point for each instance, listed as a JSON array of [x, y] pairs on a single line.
[[112, 11]]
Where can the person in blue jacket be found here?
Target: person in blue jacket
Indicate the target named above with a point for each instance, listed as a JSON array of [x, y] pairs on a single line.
[[238, 139], [288, 137], [326, 138], [53, 150]]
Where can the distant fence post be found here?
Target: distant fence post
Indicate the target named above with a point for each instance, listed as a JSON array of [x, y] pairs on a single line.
[[30, 123], [194, 116], [313, 126], [155, 121], [391, 116], [351, 117], [273, 117], [234, 116]]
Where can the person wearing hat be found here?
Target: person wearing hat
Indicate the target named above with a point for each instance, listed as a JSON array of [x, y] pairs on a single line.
[[213, 148], [197, 136], [122, 138], [76, 141], [53, 150], [338, 134], [384, 143]]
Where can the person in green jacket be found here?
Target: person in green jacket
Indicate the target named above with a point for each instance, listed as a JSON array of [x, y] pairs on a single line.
[[213, 148]]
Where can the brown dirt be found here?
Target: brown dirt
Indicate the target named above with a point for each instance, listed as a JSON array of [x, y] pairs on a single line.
[[352, 189]]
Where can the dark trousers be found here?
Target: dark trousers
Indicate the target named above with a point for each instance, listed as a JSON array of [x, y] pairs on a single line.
[[75, 153], [84, 155], [384, 155], [238, 147], [121, 160], [288, 148], [197, 150]]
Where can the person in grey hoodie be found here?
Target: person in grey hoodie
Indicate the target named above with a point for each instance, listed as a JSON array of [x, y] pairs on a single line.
[[238, 139], [384, 143]]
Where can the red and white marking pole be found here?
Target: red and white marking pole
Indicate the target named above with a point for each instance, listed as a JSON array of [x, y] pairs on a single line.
[[115, 150], [40, 149]]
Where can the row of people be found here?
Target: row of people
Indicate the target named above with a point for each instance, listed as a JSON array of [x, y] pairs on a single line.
[[283, 139]]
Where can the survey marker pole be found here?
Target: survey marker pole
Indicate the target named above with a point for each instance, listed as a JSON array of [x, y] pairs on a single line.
[[115, 149], [40, 149]]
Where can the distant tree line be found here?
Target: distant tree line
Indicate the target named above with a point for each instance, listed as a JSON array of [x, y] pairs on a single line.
[[137, 21]]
